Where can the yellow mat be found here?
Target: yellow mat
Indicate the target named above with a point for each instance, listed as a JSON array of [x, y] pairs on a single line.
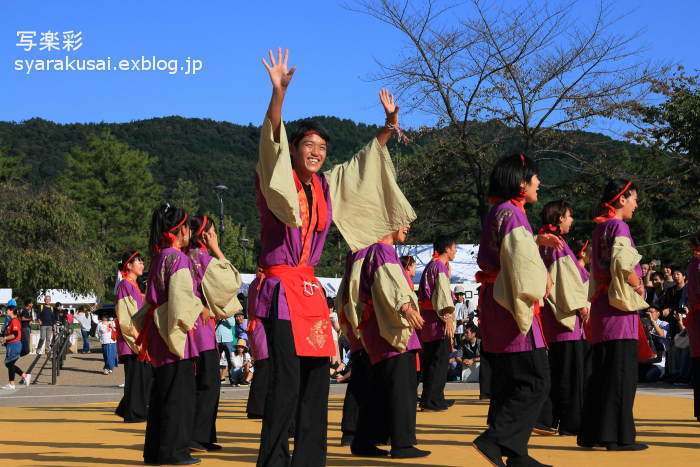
[[80, 435]]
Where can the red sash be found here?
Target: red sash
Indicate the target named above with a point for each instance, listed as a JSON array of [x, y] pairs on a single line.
[[308, 310], [143, 339]]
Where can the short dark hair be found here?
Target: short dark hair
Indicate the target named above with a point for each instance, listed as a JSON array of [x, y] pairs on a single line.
[[507, 175], [305, 126], [443, 242], [553, 211], [612, 189], [28, 301], [471, 327], [407, 261], [656, 274], [58, 304]]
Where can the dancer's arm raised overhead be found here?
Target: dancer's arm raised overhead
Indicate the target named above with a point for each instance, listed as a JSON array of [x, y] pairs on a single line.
[[280, 77], [392, 117]]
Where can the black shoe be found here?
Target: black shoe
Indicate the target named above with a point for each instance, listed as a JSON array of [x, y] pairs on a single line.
[[150, 462], [367, 450], [190, 461], [433, 409], [197, 447], [346, 440], [134, 420], [524, 461], [566, 433], [408, 453], [626, 447], [253, 416], [448, 403], [544, 430], [212, 446], [489, 451]]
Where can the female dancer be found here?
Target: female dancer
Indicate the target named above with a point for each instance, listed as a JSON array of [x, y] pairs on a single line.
[[514, 279], [607, 419], [692, 320], [564, 311], [164, 326], [216, 283], [138, 376]]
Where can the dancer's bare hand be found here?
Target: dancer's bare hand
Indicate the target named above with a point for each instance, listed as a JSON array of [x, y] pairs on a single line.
[[280, 76], [550, 240], [390, 108], [413, 316]]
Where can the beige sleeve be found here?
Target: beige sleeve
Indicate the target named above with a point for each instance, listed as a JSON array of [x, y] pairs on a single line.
[[176, 317], [390, 291], [125, 309], [623, 259], [367, 202], [347, 301], [220, 286], [275, 176], [522, 279], [568, 293], [442, 296]]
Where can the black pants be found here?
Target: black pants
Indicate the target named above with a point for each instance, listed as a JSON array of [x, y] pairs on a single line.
[[484, 376], [298, 392], [607, 408], [170, 413], [138, 382], [208, 386], [433, 363], [365, 410], [13, 370], [397, 377], [695, 378], [520, 385], [26, 332], [258, 389], [563, 407]]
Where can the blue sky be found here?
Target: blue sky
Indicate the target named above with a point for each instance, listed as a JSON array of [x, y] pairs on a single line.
[[334, 50]]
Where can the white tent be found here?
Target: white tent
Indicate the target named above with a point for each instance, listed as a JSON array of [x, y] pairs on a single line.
[[463, 267], [5, 295], [67, 298]]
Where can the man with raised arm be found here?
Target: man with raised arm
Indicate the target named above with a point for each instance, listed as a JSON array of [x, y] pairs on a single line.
[[297, 202]]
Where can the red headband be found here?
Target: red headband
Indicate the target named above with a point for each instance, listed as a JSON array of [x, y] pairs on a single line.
[[547, 228], [611, 209], [436, 255], [184, 219], [124, 271], [307, 133], [205, 219], [167, 238], [583, 248]]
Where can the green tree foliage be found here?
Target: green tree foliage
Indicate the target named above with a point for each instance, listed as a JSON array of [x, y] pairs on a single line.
[[46, 244], [12, 168], [113, 190], [236, 244], [184, 194]]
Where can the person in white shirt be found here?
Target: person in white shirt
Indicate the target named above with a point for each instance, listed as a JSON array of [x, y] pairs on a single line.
[[242, 364], [463, 310], [107, 334], [84, 319]]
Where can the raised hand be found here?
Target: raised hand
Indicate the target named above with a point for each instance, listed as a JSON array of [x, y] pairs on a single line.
[[390, 108], [280, 76]]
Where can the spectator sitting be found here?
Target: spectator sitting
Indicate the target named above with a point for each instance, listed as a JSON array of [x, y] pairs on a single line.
[[653, 370], [471, 354], [107, 334], [242, 364]]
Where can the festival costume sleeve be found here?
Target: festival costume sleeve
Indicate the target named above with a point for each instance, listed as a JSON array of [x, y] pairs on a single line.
[[623, 259], [568, 293], [275, 176], [442, 296], [367, 202], [390, 292], [177, 316], [522, 280], [348, 299], [220, 286], [125, 309]]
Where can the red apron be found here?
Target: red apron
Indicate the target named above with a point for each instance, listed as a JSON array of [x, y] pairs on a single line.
[[308, 310]]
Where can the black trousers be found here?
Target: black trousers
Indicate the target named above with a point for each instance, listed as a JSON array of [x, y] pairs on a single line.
[[138, 382], [695, 378], [397, 376], [433, 364], [520, 385], [208, 384], [365, 411], [171, 413], [607, 408], [258, 388], [13, 370], [563, 407], [484, 376], [26, 332], [298, 392]]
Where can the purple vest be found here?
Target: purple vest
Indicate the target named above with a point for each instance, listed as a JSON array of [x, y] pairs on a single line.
[[127, 289], [205, 333], [434, 327]]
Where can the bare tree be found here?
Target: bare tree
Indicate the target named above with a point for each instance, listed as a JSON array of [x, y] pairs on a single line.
[[531, 69]]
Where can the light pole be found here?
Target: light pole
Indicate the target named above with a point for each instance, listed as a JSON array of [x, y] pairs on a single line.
[[220, 189]]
